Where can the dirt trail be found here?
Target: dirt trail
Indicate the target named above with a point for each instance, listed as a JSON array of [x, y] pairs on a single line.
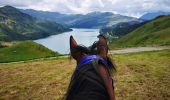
[[138, 49], [121, 51]]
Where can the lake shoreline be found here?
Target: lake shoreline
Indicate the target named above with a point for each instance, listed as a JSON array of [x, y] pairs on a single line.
[[60, 42]]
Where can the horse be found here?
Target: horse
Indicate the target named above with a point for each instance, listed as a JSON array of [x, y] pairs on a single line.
[[91, 79]]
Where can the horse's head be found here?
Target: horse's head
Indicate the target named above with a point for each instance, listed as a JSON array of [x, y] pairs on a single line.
[[99, 52], [100, 48]]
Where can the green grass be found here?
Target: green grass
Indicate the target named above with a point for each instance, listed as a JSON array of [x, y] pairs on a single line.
[[156, 32], [143, 76], [25, 51], [139, 76]]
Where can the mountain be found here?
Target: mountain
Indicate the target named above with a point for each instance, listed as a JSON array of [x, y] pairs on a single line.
[[15, 25], [155, 32], [121, 29], [150, 16], [51, 16], [101, 19], [25, 50], [90, 20]]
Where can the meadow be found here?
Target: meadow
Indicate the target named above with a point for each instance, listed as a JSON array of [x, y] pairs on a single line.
[[23, 51], [139, 76]]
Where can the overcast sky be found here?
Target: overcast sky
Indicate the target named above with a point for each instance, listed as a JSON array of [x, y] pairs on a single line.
[[134, 8]]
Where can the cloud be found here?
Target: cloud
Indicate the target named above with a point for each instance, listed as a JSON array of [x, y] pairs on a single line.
[[126, 7]]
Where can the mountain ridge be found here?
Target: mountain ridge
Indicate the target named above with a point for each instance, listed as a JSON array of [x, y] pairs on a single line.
[[152, 15], [90, 20]]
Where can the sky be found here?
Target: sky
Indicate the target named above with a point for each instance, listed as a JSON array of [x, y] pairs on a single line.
[[134, 8]]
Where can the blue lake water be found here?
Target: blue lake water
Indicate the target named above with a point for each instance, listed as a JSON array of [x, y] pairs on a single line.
[[60, 42]]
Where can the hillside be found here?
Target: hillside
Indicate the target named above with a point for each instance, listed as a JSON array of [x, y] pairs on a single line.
[[15, 25], [24, 51], [156, 32], [121, 29], [90, 20]]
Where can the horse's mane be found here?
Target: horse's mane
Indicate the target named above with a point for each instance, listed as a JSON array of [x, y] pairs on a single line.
[[111, 64]]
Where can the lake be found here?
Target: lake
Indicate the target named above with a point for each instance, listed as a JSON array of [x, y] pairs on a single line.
[[60, 42]]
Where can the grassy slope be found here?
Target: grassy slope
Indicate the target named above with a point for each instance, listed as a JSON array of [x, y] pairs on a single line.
[[24, 51], [140, 76], [156, 32]]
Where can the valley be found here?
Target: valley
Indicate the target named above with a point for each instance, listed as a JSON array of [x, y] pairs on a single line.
[[34, 52]]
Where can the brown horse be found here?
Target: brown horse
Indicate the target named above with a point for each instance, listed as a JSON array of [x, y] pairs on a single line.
[[91, 79]]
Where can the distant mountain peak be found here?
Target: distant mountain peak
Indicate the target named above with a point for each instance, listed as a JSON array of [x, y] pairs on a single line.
[[8, 7], [10, 10], [98, 12], [152, 15]]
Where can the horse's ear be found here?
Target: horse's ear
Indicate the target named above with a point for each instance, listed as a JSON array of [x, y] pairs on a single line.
[[102, 47], [73, 43]]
